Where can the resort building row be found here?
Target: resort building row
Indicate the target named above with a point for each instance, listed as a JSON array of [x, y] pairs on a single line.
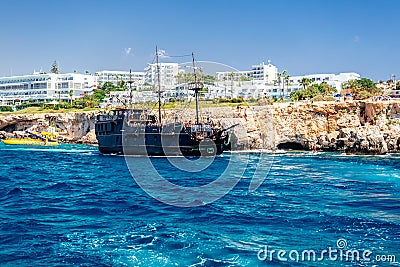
[[261, 80]]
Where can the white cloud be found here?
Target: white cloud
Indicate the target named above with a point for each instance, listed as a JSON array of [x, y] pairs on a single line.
[[356, 39], [127, 51]]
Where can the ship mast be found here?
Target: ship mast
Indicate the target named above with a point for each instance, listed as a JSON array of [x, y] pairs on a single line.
[[130, 89], [196, 89], [159, 87]]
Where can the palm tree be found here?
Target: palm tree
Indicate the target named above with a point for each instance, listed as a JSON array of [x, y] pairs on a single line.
[[394, 80], [283, 74], [71, 93], [180, 78], [287, 80], [231, 75], [279, 82], [305, 82], [224, 79], [287, 77]]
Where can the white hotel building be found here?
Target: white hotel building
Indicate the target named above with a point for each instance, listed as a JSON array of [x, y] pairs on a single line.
[[294, 83], [137, 77], [264, 82], [44, 87], [259, 82], [266, 73], [272, 89], [168, 73]]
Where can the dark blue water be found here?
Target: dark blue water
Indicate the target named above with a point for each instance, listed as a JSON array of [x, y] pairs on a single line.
[[72, 206]]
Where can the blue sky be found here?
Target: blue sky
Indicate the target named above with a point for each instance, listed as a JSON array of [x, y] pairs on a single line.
[[303, 37]]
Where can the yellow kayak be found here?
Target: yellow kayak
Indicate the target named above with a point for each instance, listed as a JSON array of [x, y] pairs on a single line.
[[29, 142]]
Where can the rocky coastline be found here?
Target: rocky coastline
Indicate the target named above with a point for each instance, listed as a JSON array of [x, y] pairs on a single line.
[[357, 127], [73, 127]]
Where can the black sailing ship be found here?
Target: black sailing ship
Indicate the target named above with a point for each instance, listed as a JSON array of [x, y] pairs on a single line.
[[138, 132]]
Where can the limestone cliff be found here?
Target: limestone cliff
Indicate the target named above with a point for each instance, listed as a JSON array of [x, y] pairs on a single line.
[[353, 127], [71, 126]]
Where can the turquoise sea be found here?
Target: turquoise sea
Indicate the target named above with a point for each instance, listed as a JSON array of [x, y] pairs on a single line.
[[72, 206]]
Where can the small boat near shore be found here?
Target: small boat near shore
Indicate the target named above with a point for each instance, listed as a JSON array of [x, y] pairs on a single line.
[[32, 139]]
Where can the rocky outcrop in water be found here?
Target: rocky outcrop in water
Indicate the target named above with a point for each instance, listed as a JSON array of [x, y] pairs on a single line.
[[3, 135], [89, 138]]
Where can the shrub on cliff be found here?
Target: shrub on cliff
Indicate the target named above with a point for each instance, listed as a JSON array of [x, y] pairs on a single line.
[[314, 91], [89, 101], [363, 95], [5, 109], [230, 100], [108, 87], [28, 104], [362, 88]]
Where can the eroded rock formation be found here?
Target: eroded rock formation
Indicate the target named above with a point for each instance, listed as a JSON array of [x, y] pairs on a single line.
[[71, 126], [353, 127]]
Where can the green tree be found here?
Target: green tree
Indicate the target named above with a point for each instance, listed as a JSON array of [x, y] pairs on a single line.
[[122, 85], [305, 82], [362, 88], [71, 93], [232, 75], [224, 79], [319, 91], [6, 109], [287, 78], [54, 67], [91, 101], [208, 79], [279, 75], [327, 89], [99, 94], [180, 77], [296, 95], [266, 78], [108, 87], [283, 77]]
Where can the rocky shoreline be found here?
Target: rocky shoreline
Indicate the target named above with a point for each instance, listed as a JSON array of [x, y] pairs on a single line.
[[358, 127], [73, 127], [352, 127]]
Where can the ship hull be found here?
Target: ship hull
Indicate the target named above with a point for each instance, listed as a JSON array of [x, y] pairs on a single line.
[[132, 134], [157, 145]]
